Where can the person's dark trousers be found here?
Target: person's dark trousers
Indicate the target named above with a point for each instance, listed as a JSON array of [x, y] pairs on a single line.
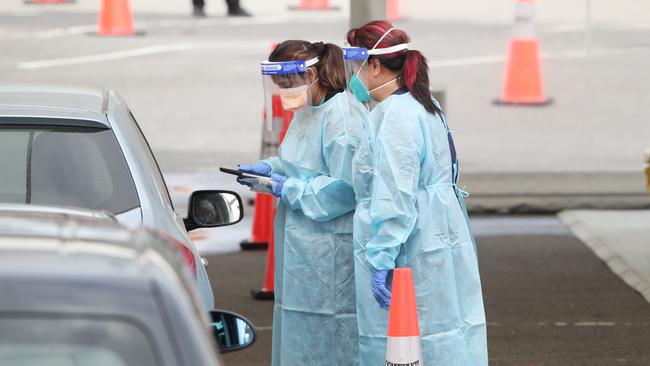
[[233, 6], [198, 3]]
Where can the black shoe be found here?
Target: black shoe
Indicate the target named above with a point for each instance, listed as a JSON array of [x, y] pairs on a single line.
[[198, 12], [238, 13]]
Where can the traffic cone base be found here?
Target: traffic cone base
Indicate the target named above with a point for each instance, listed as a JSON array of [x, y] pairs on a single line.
[[253, 245], [403, 351], [263, 294]]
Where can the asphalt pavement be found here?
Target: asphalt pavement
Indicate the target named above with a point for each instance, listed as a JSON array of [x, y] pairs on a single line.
[[549, 300]]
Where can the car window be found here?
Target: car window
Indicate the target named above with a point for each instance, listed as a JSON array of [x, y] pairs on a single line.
[[73, 342], [62, 166], [160, 181]]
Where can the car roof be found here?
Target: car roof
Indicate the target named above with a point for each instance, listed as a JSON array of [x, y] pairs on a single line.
[[53, 105], [57, 235], [46, 221], [31, 209], [51, 246]]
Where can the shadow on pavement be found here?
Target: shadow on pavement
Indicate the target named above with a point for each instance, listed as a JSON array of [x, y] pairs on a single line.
[[549, 301]]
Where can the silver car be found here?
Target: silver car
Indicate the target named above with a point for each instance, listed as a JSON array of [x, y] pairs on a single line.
[[77, 288], [75, 147]]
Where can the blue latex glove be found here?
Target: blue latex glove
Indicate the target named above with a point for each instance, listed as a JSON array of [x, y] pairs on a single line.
[[378, 285], [245, 182], [259, 167], [265, 185], [278, 183]]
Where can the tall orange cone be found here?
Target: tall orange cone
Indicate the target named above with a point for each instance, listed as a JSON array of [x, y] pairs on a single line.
[[262, 231], [115, 19], [48, 1], [267, 291], [523, 82], [313, 5], [392, 10], [262, 224], [403, 344]]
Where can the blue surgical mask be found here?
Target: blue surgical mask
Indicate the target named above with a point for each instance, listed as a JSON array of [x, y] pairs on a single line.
[[359, 89]]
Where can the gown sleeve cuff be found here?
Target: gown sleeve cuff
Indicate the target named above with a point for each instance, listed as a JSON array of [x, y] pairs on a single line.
[[274, 163], [382, 260], [292, 190]]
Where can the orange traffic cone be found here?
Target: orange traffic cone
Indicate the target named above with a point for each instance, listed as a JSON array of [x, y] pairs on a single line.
[[48, 1], [392, 10], [267, 292], [523, 83], [262, 230], [403, 344], [115, 19], [313, 5]]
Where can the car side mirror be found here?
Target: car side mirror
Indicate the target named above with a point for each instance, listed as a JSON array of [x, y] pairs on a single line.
[[231, 331], [213, 209]]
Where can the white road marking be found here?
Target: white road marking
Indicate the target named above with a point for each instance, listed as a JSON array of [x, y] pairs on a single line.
[[137, 52], [24, 13], [263, 328], [151, 50], [594, 324], [564, 28], [174, 23], [568, 54]]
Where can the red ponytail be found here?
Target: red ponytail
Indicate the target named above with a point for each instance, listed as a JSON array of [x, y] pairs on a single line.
[[410, 68]]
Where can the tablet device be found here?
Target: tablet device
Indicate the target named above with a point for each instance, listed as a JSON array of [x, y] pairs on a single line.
[[231, 171], [242, 174]]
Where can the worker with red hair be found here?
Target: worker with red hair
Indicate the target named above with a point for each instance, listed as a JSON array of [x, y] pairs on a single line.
[[410, 211]]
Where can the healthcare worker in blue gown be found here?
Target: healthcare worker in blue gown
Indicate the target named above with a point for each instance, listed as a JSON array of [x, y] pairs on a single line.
[[410, 212], [314, 318]]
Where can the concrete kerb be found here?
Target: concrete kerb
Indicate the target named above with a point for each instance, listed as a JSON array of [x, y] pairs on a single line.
[[552, 192], [619, 242]]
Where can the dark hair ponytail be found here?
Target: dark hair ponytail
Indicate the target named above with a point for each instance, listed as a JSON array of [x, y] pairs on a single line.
[[414, 77], [410, 64], [329, 69]]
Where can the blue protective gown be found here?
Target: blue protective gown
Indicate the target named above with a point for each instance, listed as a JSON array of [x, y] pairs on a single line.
[[411, 214], [314, 317]]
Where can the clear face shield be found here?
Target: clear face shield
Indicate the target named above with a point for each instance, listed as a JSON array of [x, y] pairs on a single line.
[[286, 88], [356, 73]]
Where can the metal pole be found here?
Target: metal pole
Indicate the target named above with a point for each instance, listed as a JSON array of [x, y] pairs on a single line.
[[588, 27], [364, 11]]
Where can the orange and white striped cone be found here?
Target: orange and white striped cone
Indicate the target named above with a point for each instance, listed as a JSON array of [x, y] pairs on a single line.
[[115, 19], [48, 1], [403, 344], [523, 82], [392, 10], [262, 230], [313, 5], [267, 292]]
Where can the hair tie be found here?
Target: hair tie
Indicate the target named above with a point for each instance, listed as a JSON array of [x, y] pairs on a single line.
[[319, 47]]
